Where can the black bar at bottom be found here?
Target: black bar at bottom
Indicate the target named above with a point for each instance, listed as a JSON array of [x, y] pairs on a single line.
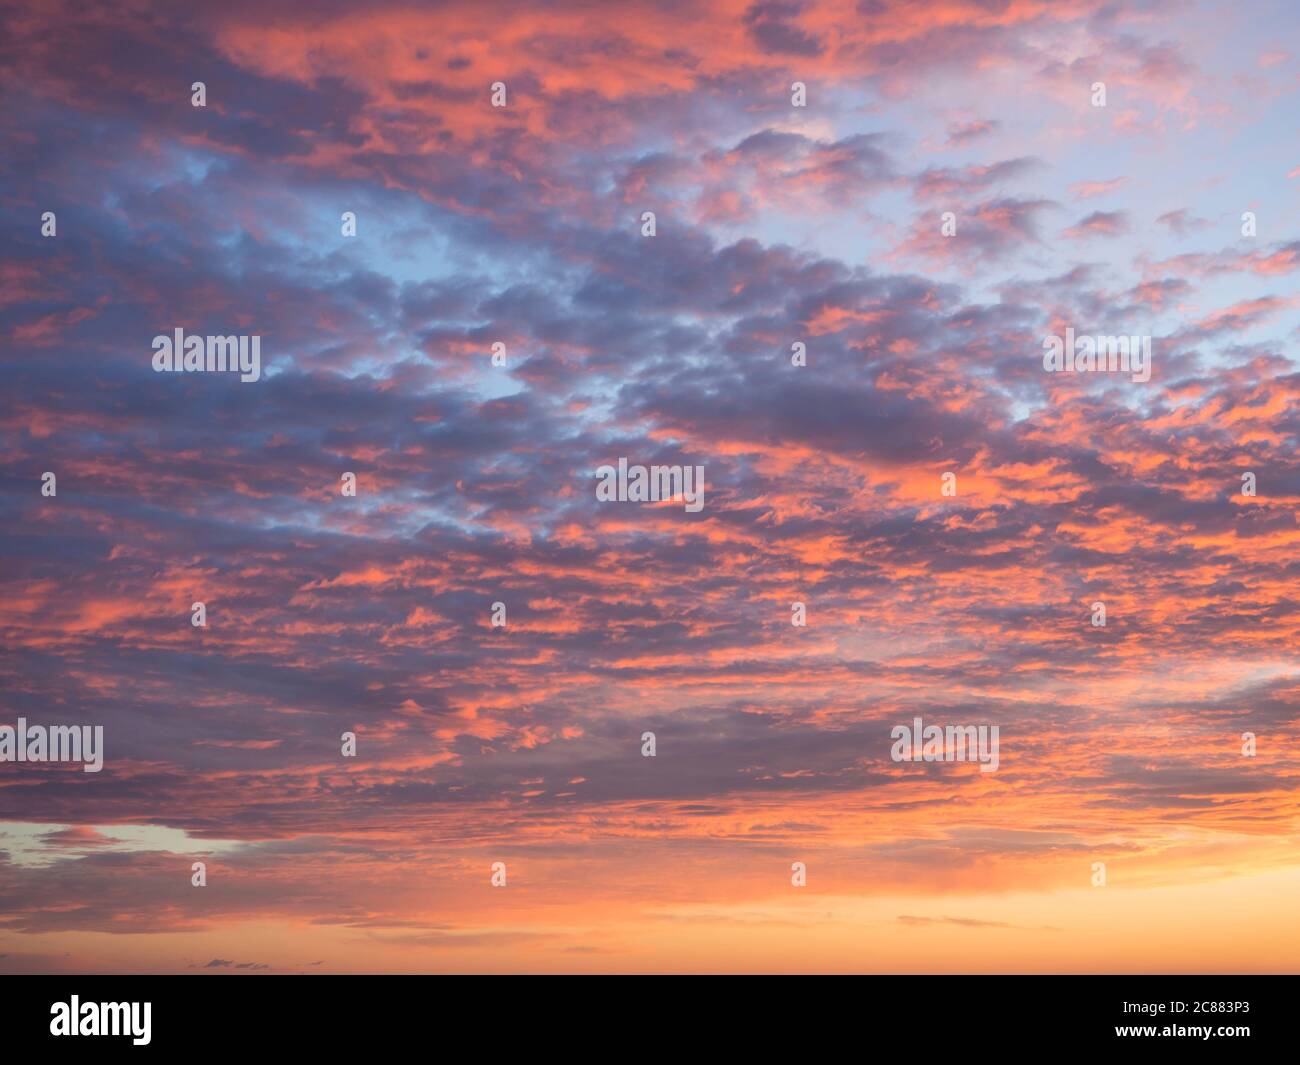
[[1236, 1016]]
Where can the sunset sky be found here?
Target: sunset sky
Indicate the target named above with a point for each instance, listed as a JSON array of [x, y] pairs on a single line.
[[775, 224]]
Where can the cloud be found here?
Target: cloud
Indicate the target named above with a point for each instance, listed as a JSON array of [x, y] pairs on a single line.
[[962, 133], [776, 226], [1099, 224]]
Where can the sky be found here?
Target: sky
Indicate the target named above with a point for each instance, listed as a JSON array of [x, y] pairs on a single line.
[[920, 196]]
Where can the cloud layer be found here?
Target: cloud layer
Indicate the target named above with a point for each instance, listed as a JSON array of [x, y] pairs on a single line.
[[522, 225]]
